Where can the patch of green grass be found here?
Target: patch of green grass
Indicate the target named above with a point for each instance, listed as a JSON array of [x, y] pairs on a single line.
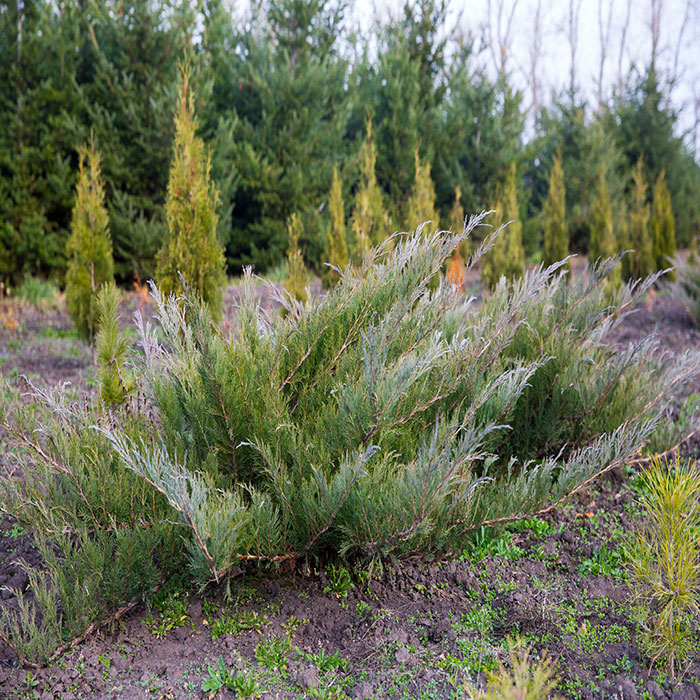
[[271, 653], [487, 542], [244, 685], [604, 562]]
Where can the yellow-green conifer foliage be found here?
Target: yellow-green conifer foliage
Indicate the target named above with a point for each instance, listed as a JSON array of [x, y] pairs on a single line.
[[507, 257], [457, 222], [297, 275], [191, 248], [663, 227], [556, 232], [421, 203], [602, 243], [89, 246], [641, 261], [112, 348], [370, 221], [337, 243]]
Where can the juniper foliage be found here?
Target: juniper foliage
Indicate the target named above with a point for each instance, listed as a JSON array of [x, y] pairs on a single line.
[[380, 419], [89, 247], [112, 348]]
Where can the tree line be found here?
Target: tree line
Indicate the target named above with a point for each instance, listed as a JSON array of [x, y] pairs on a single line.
[[313, 131]]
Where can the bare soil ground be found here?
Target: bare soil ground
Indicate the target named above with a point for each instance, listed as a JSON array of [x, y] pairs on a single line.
[[420, 628]]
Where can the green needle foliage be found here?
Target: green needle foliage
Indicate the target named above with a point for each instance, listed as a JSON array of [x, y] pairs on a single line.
[[89, 247], [297, 275], [421, 203], [556, 232], [337, 243], [663, 229], [381, 419], [370, 221], [112, 346], [507, 257], [191, 250], [602, 242], [665, 562]]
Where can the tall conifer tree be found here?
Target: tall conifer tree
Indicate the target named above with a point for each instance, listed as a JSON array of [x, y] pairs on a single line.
[[602, 242], [297, 275], [556, 232], [421, 203], [370, 222], [191, 248], [663, 228], [337, 243], [642, 259], [507, 257], [89, 246]]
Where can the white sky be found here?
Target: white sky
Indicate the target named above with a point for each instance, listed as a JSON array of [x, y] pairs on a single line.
[[679, 42]]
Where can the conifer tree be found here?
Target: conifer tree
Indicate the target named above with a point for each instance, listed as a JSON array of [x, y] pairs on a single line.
[[370, 222], [556, 232], [112, 346], [191, 248], [297, 275], [421, 203], [663, 230], [89, 246], [337, 244], [507, 257], [602, 242], [641, 261], [456, 219]]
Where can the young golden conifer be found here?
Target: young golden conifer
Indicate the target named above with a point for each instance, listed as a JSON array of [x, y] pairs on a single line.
[[421, 203], [507, 257], [556, 232], [642, 259], [337, 245], [663, 227], [112, 346], [89, 247], [297, 276], [191, 248], [602, 243], [370, 222]]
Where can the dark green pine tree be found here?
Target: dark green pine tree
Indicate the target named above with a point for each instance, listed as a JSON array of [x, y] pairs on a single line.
[[292, 109], [38, 45], [128, 81], [556, 233]]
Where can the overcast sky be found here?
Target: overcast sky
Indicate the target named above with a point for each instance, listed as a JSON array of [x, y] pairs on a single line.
[[679, 41]]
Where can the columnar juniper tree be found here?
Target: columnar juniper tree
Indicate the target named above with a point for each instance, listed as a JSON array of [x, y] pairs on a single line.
[[556, 232], [297, 276], [89, 247], [337, 243], [507, 257], [641, 260], [421, 203], [602, 242], [370, 222], [663, 229], [191, 250]]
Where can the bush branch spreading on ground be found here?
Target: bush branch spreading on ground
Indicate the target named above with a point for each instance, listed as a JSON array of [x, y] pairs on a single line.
[[381, 419]]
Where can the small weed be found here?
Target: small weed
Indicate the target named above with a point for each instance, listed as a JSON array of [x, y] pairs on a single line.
[[243, 684], [339, 581], [487, 543], [604, 562], [271, 653]]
